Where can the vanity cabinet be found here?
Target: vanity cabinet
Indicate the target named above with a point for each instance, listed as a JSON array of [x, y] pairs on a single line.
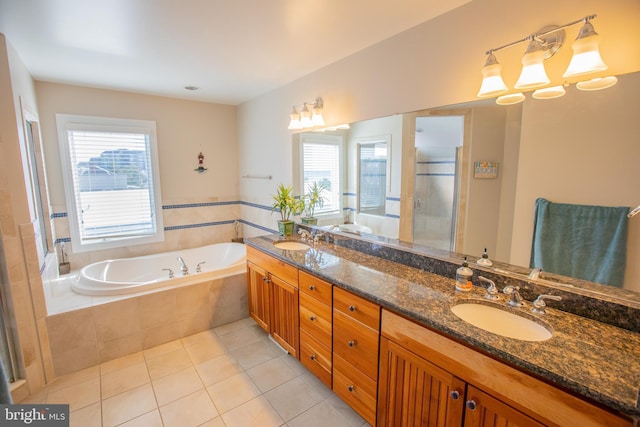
[[316, 326], [428, 379], [356, 332], [273, 298]]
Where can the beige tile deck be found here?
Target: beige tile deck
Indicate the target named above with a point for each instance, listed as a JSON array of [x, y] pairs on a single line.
[[229, 376]]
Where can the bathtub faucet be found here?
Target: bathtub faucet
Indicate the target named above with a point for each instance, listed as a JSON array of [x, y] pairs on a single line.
[[183, 266]]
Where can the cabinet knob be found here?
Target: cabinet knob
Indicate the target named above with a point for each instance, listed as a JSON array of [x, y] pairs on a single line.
[[455, 395], [312, 318], [351, 343], [264, 278], [352, 308], [312, 357], [350, 388], [471, 404], [311, 287]]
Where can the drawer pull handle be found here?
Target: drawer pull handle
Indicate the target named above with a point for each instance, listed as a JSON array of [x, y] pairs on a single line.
[[455, 395], [350, 388], [351, 343], [352, 308], [471, 404], [311, 287], [312, 357], [312, 318]]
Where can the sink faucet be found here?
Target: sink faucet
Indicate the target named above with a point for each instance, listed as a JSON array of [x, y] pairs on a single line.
[[183, 266], [539, 304], [304, 235], [514, 293], [492, 290], [535, 273]]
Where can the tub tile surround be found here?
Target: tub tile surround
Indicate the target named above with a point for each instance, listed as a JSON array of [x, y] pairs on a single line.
[[590, 358], [92, 330], [231, 375]]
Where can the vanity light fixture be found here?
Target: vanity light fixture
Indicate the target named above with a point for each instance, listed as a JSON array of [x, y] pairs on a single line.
[[543, 45], [307, 118]]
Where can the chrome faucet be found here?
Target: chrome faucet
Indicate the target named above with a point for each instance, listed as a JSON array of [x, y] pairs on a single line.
[[535, 273], [318, 236], [539, 304], [514, 293], [492, 290], [183, 266]]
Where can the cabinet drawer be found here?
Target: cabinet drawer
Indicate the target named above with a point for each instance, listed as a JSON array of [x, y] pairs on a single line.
[[356, 343], [316, 357], [285, 271], [355, 388], [315, 287], [315, 318], [357, 308]]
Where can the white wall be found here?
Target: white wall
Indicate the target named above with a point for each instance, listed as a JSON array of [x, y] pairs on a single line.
[[184, 128]]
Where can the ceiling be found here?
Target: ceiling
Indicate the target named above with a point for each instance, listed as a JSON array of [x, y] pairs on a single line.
[[232, 50]]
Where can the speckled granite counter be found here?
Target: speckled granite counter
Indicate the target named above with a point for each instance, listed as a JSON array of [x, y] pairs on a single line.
[[590, 358]]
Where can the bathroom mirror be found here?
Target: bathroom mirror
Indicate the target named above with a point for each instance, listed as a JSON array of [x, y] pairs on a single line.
[[581, 148]]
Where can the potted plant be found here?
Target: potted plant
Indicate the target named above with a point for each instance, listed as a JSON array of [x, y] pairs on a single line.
[[287, 205], [311, 200]]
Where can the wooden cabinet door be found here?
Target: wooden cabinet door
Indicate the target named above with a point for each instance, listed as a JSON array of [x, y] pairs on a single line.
[[284, 314], [414, 392], [485, 410], [257, 281]]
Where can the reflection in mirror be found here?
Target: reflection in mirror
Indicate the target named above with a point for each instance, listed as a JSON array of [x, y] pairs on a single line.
[[581, 148], [372, 174]]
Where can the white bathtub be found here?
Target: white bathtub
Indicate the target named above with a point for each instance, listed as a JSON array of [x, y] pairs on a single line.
[[139, 274]]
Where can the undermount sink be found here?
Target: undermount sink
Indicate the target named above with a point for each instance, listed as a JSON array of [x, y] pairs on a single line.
[[501, 322], [289, 245]]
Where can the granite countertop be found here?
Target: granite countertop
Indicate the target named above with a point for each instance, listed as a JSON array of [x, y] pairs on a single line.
[[590, 358]]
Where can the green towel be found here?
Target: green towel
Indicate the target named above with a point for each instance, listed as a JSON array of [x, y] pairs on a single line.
[[585, 242]]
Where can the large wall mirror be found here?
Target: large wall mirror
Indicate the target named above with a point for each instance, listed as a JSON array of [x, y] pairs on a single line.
[[582, 148]]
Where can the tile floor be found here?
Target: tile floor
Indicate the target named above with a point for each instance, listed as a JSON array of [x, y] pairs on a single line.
[[233, 375]]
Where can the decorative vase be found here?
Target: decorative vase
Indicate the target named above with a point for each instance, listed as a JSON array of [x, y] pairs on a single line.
[[309, 220], [285, 228]]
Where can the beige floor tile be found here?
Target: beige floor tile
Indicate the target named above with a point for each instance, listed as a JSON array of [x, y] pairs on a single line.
[[203, 336], [89, 416], [124, 379], [150, 419], [256, 353], [191, 410], [74, 378], [318, 385], [78, 395], [216, 422], [294, 364], [320, 415], [128, 405], [242, 336], [161, 349], [218, 369], [176, 385], [121, 362], [293, 398], [232, 392], [345, 410], [256, 412], [205, 348], [234, 326], [271, 374], [168, 363]]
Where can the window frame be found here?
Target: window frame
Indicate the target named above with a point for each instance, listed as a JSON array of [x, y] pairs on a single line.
[[71, 122], [326, 139]]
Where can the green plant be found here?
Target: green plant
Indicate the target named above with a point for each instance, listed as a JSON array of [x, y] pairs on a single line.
[[285, 202], [314, 198]]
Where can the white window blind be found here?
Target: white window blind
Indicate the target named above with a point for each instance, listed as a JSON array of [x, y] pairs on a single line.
[[373, 178], [112, 180], [321, 164]]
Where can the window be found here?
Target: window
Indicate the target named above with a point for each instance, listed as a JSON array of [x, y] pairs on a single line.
[[320, 163], [373, 174], [111, 179]]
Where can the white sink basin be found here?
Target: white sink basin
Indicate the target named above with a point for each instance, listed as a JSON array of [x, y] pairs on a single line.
[[288, 245], [501, 322]]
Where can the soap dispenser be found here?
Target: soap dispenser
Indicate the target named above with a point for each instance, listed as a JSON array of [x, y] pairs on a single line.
[[463, 277], [485, 261]]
